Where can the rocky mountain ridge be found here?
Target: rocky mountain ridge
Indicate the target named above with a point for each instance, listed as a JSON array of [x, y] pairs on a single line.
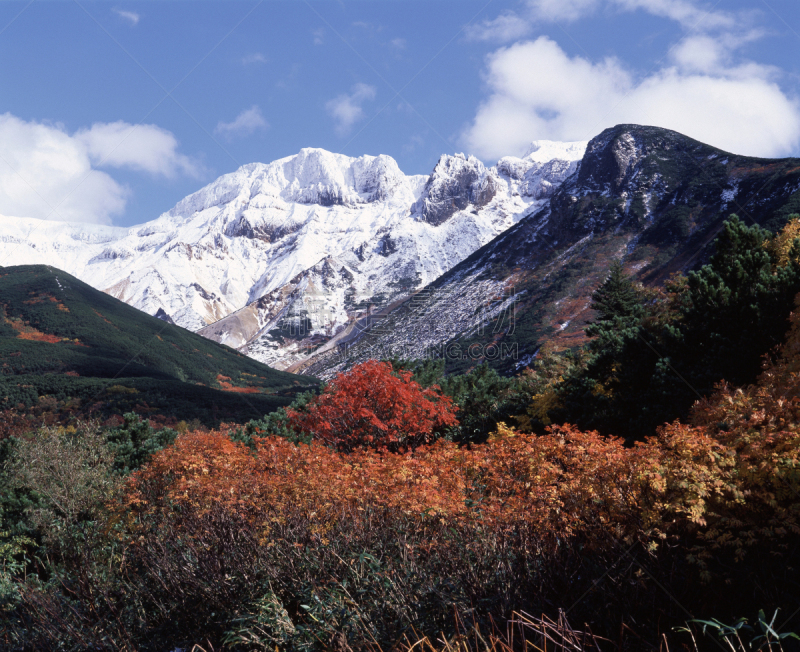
[[648, 196], [349, 232]]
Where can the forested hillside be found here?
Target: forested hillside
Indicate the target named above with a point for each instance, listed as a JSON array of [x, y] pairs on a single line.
[[61, 340]]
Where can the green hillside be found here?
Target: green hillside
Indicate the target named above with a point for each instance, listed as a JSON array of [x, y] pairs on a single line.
[[63, 339]]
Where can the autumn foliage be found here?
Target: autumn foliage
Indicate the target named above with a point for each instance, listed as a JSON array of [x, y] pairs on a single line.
[[373, 406], [727, 481], [493, 521], [376, 525], [729, 478]]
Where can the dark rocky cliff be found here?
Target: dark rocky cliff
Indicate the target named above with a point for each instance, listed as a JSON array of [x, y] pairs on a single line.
[[649, 196]]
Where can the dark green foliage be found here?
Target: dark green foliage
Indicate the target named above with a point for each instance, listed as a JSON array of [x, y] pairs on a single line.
[[101, 342], [607, 393], [781, 215], [100, 397], [276, 423], [482, 395], [670, 229], [135, 441], [615, 301], [739, 307], [14, 501], [650, 359]]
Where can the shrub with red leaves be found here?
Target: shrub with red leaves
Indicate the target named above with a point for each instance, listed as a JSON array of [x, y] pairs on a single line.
[[373, 406]]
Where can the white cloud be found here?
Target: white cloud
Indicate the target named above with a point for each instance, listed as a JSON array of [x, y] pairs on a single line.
[[686, 12], [130, 16], [346, 109], [560, 10], [319, 36], [704, 53], [699, 53], [399, 43], [537, 91], [256, 57], [506, 27], [247, 122], [146, 148], [47, 173]]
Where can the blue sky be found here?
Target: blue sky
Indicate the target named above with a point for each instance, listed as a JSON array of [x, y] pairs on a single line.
[[111, 112]]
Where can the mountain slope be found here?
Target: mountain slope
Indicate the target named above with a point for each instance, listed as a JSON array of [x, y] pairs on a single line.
[[346, 231], [461, 206], [62, 338], [649, 196]]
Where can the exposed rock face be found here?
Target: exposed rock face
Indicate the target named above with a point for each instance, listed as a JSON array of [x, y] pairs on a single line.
[[250, 237], [649, 196], [459, 181], [160, 314], [608, 161], [455, 183]]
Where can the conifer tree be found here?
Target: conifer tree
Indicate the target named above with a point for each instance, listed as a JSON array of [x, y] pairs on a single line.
[[616, 298], [644, 369]]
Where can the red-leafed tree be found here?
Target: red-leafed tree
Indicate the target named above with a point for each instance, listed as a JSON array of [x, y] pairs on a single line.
[[373, 406]]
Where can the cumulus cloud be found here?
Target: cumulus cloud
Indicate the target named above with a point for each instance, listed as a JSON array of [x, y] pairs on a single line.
[[538, 91], [247, 122], [129, 16], [699, 53], [49, 174], [506, 27], [46, 173], [346, 109], [146, 148]]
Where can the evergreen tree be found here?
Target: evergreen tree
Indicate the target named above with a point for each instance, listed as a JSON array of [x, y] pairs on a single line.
[[646, 368], [739, 306], [617, 298], [484, 397], [597, 397]]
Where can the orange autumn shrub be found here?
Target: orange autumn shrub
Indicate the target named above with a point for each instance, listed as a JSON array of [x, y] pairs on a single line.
[[209, 520], [727, 486], [758, 428], [519, 516], [549, 488], [371, 405]]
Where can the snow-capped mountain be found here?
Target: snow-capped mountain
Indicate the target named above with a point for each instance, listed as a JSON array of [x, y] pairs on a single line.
[[650, 197], [313, 239]]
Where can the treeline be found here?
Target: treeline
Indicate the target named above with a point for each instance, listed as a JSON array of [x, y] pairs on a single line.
[[655, 351]]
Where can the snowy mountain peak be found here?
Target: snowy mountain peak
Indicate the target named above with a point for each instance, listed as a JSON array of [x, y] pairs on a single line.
[[456, 182], [542, 151], [545, 165], [255, 242], [316, 176], [312, 176]]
